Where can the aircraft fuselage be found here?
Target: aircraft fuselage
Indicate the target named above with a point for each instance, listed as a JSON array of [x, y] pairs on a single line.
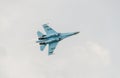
[[49, 39], [54, 37]]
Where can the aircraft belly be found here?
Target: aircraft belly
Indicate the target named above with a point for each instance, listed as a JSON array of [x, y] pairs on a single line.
[[52, 40]]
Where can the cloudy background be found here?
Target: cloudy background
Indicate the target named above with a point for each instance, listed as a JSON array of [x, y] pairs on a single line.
[[94, 53]]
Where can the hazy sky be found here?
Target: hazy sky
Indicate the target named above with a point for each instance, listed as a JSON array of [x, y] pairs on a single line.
[[94, 53]]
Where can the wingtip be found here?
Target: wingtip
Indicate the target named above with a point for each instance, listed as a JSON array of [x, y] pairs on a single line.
[[50, 53], [46, 24]]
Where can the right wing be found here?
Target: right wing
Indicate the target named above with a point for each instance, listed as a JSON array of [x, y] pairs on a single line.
[[52, 47], [49, 30]]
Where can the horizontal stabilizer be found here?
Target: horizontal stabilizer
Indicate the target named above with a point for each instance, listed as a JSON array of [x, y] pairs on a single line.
[[39, 34], [42, 47]]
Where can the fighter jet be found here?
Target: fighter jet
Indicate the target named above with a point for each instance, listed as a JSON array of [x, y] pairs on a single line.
[[51, 38]]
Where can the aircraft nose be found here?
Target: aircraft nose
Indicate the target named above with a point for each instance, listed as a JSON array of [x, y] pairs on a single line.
[[76, 32]]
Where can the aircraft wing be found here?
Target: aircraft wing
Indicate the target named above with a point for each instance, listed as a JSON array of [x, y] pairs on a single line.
[[52, 47], [49, 30]]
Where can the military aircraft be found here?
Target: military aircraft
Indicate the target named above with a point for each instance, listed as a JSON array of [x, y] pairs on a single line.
[[51, 38]]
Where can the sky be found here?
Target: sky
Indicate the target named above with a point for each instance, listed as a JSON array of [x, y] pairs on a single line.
[[94, 53]]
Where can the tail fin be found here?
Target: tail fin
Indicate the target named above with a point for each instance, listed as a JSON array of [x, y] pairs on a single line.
[[39, 34], [42, 47]]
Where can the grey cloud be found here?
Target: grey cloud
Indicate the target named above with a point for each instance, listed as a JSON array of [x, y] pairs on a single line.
[[3, 59]]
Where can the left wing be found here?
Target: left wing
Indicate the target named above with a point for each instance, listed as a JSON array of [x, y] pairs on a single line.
[[52, 47], [49, 30]]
